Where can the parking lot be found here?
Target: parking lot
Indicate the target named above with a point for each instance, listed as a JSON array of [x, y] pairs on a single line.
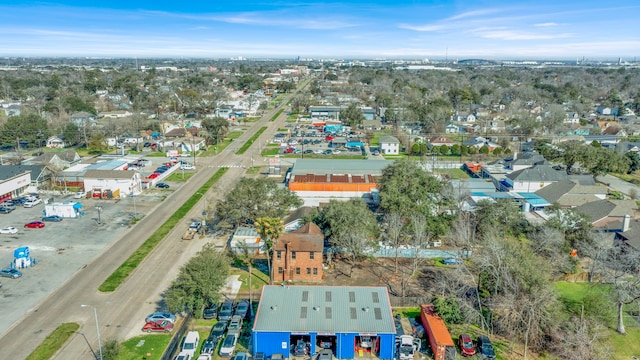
[[61, 248]]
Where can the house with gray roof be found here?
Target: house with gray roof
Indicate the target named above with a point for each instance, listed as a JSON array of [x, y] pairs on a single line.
[[571, 193], [389, 145], [531, 179], [345, 317], [608, 215]]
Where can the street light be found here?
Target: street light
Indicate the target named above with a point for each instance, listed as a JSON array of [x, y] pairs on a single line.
[[95, 314]]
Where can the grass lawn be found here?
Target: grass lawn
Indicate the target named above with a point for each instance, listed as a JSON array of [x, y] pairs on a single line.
[[625, 346], [52, 343], [233, 135], [256, 169], [270, 151], [178, 176], [139, 346], [258, 278], [156, 154], [453, 173]]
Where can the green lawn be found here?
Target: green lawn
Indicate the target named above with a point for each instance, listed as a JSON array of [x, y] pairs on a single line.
[[179, 176], [233, 135], [453, 173], [625, 346], [52, 343], [258, 279], [270, 151], [148, 347]]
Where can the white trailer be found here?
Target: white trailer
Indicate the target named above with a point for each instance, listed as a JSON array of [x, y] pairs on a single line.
[[66, 210]]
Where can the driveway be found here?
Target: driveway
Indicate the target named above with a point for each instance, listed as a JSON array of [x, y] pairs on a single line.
[[619, 185]]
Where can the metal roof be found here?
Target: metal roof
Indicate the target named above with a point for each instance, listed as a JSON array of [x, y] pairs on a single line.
[[334, 166], [326, 309]]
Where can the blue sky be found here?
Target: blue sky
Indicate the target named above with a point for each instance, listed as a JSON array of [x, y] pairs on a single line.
[[544, 29]]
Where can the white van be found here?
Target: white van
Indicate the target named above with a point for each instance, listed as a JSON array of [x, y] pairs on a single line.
[[190, 344]]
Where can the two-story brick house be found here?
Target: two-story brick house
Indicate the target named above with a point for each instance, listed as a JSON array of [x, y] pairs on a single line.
[[297, 256]]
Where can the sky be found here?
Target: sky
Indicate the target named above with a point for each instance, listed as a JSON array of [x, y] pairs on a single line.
[[357, 29]]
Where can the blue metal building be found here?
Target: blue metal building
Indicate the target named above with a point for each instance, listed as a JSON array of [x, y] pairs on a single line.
[[347, 320]]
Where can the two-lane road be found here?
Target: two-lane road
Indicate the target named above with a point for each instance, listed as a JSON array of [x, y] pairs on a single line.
[[124, 309]]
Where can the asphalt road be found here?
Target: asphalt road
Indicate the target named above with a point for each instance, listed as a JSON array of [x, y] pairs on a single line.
[[121, 313]]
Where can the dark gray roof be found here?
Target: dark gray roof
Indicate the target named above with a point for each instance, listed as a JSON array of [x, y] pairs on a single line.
[[632, 236], [9, 171], [600, 209], [538, 173], [527, 158], [331, 309], [553, 192], [332, 166]]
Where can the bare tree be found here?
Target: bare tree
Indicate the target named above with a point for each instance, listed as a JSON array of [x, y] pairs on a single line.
[[395, 225]]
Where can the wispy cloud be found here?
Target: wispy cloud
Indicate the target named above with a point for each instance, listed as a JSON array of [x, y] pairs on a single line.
[[512, 35], [546, 24], [422, 28]]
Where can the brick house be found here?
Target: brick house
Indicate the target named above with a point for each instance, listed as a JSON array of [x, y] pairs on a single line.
[[297, 256]]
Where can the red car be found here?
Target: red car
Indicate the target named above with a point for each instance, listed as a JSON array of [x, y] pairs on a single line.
[[160, 326], [467, 348], [34, 225], [154, 175]]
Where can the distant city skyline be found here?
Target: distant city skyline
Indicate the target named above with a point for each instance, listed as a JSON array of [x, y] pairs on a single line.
[[330, 29]]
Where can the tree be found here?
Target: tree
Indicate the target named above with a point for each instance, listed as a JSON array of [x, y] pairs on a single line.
[[285, 86], [394, 227], [351, 227], [270, 230], [97, 144], [70, 133], [251, 199], [407, 189], [352, 115], [199, 281], [216, 128], [25, 129]]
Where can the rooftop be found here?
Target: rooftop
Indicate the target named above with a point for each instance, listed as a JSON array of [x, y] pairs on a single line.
[[331, 166], [329, 309]]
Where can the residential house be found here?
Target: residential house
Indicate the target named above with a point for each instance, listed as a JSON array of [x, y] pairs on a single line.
[[571, 118], [118, 114], [176, 133], [55, 142], [246, 240], [571, 193], [531, 179], [441, 140], [55, 160], [629, 234], [479, 142], [451, 129], [608, 215], [605, 140], [82, 119], [40, 176], [463, 117], [524, 160], [496, 125], [297, 256], [389, 145], [12, 110], [607, 111], [614, 130]]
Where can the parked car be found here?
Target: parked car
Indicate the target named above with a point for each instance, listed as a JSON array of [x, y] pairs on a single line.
[[235, 325], [204, 357], [325, 355], [218, 330], [162, 185], [55, 218], [209, 345], [20, 200], [158, 326], [153, 176], [301, 348], [5, 210], [80, 195], [242, 309], [187, 167], [34, 225], [8, 204], [210, 312], [10, 273], [451, 261], [241, 356], [228, 345], [485, 348], [32, 203], [467, 348], [226, 311], [160, 316], [8, 230], [182, 356], [259, 356], [328, 152]]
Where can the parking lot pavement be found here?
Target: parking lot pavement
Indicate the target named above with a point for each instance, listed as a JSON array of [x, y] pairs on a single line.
[[60, 248]]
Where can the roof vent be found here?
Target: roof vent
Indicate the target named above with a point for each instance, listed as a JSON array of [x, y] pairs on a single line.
[[365, 309], [274, 307], [316, 308]]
